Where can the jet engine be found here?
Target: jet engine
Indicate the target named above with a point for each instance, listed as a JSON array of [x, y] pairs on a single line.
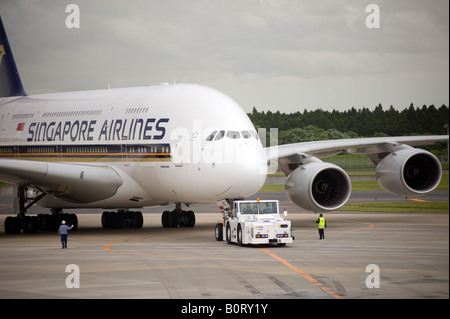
[[409, 171], [318, 186]]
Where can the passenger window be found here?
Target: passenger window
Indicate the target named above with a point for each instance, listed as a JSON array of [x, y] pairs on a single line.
[[246, 134], [211, 136], [219, 135], [233, 135]]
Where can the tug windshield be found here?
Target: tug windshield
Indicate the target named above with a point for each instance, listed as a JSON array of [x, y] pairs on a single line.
[[258, 208]]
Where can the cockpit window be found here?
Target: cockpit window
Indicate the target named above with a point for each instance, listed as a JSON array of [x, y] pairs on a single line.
[[211, 136], [219, 135], [255, 135], [233, 134], [246, 134]]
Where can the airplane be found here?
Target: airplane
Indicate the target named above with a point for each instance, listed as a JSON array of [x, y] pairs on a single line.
[[124, 149]]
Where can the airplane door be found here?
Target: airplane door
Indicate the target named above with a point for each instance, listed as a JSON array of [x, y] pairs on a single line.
[[179, 144], [16, 152], [59, 152], [124, 152]]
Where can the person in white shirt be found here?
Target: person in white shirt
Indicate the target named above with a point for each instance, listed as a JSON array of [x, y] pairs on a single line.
[[63, 229]]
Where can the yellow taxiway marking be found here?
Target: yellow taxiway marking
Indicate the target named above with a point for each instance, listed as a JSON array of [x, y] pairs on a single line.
[[418, 200], [273, 255], [304, 274], [357, 229], [309, 277]]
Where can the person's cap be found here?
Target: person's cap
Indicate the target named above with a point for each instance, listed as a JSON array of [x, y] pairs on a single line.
[[63, 222]]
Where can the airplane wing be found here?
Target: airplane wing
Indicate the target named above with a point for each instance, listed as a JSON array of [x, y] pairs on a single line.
[[319, 186], [72, 182], [354, 146]]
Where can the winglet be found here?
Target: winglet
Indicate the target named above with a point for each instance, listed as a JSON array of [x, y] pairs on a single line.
[[10, 83]]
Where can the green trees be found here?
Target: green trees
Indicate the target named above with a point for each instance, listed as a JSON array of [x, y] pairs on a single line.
[[321, 125]]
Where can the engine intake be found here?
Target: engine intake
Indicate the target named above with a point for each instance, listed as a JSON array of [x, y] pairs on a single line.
[[318, 186], [409, 171]]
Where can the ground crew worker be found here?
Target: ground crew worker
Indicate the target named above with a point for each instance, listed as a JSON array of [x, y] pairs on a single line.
[[322, 225], [63, 232]]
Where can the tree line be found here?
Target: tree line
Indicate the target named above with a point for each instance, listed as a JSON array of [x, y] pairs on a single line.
[[320, 125]]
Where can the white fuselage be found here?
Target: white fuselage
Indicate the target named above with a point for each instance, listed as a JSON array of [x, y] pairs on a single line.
[[169, 143]]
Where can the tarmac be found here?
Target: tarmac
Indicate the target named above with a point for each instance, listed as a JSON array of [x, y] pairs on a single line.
[[364, 256]]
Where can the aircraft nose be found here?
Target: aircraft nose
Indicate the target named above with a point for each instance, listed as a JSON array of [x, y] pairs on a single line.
[[252, 160], [250, 169], [239, 167]]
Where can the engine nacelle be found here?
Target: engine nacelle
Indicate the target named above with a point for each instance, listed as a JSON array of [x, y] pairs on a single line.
[[409, 171], [318, 186]]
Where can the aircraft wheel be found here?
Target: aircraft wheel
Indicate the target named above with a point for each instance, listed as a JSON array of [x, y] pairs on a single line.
[[165, 219], [106, 220], [173, 219], [12, 225], [187, 219], [72, 220], [138, 220], [30, 224], [191, 218]]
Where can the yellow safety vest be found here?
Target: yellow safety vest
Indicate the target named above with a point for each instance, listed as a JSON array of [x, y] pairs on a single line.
[[321, 223]]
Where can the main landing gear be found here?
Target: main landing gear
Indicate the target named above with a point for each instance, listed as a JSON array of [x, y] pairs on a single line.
[[25, 197], [122, 219], [178, 217]]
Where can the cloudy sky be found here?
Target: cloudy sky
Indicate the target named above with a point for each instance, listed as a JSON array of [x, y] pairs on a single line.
[[286, 55]]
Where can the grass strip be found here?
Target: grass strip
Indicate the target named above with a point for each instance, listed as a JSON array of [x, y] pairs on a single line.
[[408, 207]]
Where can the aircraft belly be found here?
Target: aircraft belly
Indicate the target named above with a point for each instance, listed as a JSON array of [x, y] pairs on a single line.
[[205, 183], [190, 183]]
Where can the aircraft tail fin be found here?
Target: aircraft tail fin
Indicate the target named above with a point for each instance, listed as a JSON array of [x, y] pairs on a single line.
[[10, 83]]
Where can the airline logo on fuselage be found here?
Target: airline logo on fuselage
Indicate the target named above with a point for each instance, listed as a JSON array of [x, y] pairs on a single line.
[[93, 130]]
